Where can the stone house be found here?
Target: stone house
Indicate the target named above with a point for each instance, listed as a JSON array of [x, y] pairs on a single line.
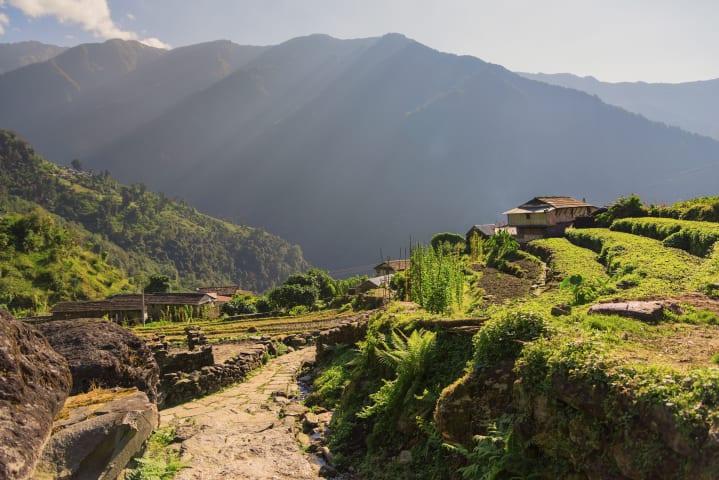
[[127, 308], [390, 267]]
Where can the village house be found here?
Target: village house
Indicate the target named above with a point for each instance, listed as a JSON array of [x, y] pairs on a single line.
[[224, 293], [372, 284], [127, 308], [543, 217], [390, 267]]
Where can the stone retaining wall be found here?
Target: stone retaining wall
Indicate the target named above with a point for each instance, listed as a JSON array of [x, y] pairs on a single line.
[[180, 387], [348, 333]]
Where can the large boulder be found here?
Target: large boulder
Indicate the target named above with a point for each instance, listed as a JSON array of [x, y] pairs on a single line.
[[34, 382], [97, 434], [103, 354], [646, 311]]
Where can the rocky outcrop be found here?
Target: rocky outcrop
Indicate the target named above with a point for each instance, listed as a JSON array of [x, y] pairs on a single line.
[[34, 382], [97, 434], [103, 354], [647, 311]]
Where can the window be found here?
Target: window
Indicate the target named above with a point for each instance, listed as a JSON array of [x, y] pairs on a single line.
[[527, 216]]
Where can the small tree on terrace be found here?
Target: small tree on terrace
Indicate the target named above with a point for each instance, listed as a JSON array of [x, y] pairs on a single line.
[[158, 284], [499, 249]]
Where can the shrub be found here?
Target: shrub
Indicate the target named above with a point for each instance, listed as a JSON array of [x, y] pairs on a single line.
[[697, 238], [449, 240], [240, 305], [437, 279], [624, 207], [299, 310], [288, 296], [500, 248], [582, 291], [503, 337], [263, 305]]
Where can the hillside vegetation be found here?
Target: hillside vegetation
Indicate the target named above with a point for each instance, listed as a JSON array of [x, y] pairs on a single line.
[[537, 386], [44, 260], [155, 232]]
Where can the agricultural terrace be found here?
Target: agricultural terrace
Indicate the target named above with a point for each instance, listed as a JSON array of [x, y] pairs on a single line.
[[219, 330], [564, 259], [697, 238], [645, 265]]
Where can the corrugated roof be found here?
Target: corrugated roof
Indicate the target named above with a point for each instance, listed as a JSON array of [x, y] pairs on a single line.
[[225, 290], [396, 265], [487, 229]]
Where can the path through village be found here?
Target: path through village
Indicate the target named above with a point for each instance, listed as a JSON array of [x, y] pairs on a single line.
[[238, 433]]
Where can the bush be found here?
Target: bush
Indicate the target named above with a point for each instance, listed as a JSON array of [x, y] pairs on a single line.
[[449, 240], [158, 284], [503, 337], [500, 247], [240, 305], [263, 305], [437, 279], [288, 296], [624, 207], [299, 310]]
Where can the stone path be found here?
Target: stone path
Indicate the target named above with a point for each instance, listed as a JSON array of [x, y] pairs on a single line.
[[237, 433]]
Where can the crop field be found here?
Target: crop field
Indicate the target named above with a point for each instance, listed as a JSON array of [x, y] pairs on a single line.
[[219, 330], [697, 238], [565, 259], [654, 267]]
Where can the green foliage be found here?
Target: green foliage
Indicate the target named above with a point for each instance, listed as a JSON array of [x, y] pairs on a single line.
[[663, 270], [298, 310], [408, 357], [240, 305], [436, 278], [697, 238], [342, 286], [263, 304], [159, 461], [624, 207], [503, 337], [292, 295], [583, 292], [448, 240], [142, 232], [565, 259], [333, 378], [704, 209], [500, 248], [398, 283], [43, 261], [477, 248], [158, 284]]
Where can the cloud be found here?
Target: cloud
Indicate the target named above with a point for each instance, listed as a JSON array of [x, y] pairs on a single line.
[[131, 16], [4, 21], [92, 15]]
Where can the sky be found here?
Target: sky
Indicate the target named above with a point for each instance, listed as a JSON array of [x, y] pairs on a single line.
[[613, 40]]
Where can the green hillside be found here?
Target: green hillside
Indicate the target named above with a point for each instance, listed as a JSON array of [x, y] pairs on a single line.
[[44, 260], [152, 231]]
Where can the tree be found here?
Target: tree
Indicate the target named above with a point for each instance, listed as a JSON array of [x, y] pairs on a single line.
[[76, 164], [288, 296], [240, 305], [447, 239], [625, 207], [499, 249], [158, 284]]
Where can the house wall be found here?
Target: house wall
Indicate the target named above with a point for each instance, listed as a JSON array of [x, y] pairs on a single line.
[[538, 218]]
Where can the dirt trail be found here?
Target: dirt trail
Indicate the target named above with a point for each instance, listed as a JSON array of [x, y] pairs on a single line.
[[237, 433]]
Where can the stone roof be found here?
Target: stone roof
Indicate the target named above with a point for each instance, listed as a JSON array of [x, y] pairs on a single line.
[[396, 265], [547, 204], [132, 301]]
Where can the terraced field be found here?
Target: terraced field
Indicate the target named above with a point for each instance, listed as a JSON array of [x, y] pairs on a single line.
[[219, 330], [697, 238], [564, 259]]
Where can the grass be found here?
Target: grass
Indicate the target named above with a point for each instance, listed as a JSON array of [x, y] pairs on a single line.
[[697, 238], [565, 259], [96, 396], [658, 269], [160, 461]]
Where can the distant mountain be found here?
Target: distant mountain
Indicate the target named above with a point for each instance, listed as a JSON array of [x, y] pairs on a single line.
[[16, 55], [141, 232], [350, 146], [692, 106]]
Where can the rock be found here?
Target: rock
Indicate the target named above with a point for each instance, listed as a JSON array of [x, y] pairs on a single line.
[[561, 310], [98, 433], [327, 455], [404, 457], [310, 421], [304, 440], [647, 311], [327, 471], [34, 382], [103, 354]]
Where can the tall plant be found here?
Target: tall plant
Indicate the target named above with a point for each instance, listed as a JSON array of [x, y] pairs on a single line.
[[436, 279]]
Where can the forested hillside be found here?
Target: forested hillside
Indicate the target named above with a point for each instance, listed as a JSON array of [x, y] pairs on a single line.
[[154, 232], [44, 260]]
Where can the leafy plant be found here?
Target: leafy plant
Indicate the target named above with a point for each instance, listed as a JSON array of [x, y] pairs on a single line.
[[582, 290], [500, 248], [436, 279]]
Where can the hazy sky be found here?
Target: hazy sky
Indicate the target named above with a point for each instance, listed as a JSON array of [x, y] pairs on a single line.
[[651, 40]]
